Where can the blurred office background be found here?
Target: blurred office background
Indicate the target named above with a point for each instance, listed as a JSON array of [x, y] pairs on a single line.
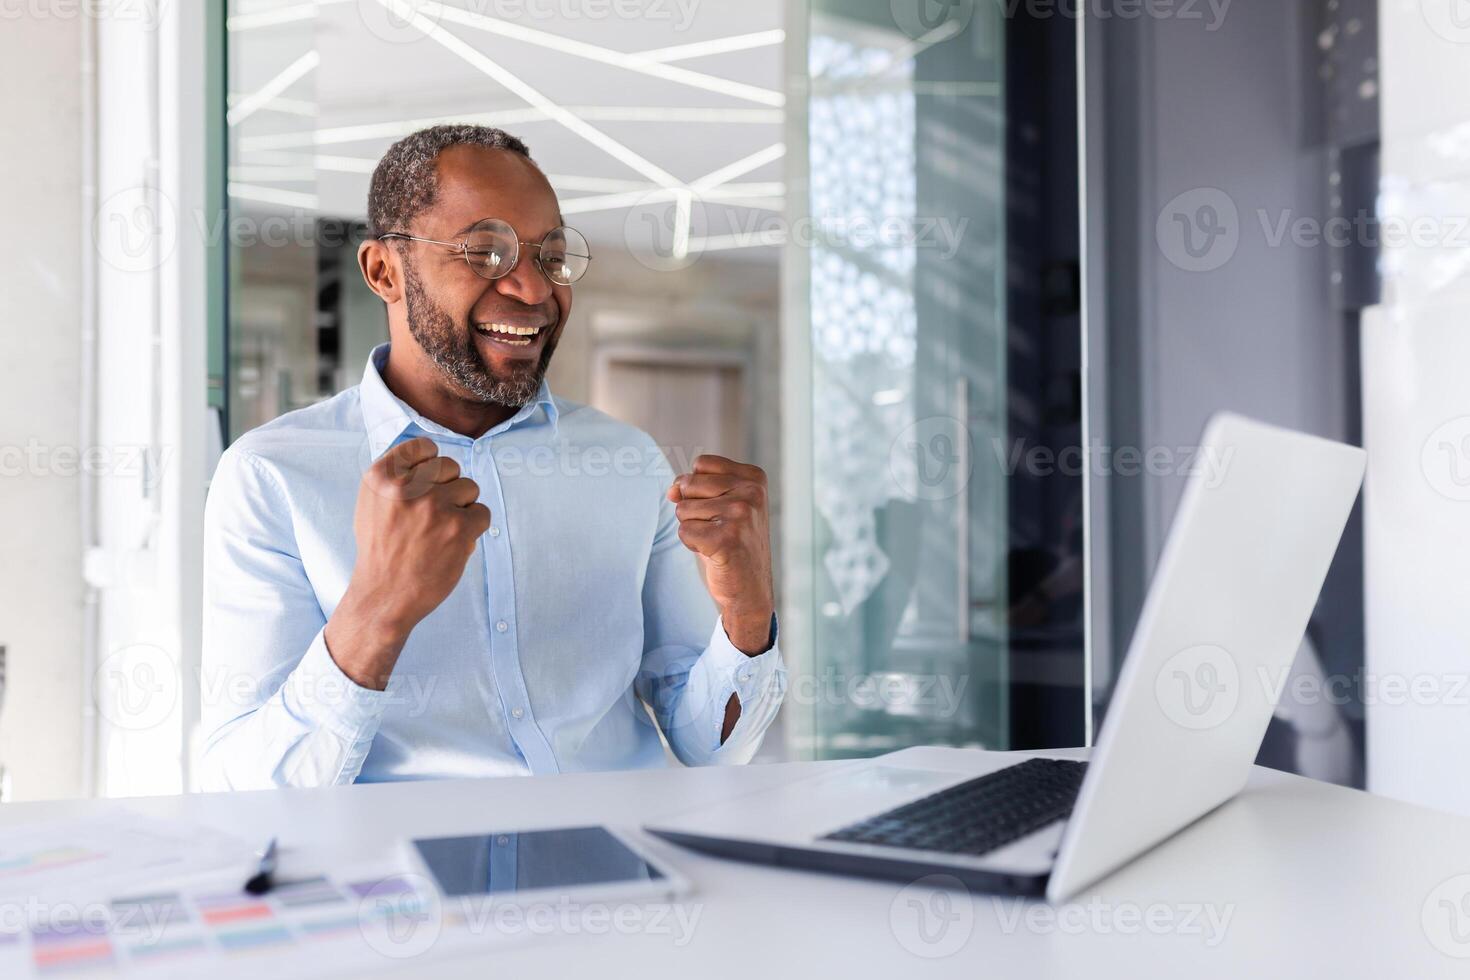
[[966, 279]]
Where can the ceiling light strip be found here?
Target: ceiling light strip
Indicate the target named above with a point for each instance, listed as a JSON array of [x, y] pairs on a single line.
[[289, 76], [744, 165], [272, 195], [607, 56], [718, 45], [532, 96]]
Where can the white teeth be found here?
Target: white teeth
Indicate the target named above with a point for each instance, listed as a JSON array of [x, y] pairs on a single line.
[[507, 328]]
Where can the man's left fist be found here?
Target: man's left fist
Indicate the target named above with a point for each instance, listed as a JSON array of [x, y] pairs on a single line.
[[724, 520]]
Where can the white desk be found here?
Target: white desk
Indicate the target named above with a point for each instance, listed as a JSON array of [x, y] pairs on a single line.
[[1318, 881]]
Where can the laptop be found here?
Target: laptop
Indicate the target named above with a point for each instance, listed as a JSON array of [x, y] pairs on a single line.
[[1225, 613]]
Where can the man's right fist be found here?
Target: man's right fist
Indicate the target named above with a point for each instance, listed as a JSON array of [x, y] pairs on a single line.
[[416, 524]]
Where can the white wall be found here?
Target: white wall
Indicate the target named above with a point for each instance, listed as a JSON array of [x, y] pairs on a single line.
[[40, 313], [1416, 381]]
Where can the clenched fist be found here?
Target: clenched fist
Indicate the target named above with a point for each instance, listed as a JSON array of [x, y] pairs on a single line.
[[723, 518], [417, 523]]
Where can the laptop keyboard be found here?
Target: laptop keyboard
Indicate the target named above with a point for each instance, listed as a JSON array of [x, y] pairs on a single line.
[[977, 816]]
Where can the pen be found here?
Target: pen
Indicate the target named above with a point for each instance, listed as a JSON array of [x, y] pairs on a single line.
[[261, 882]]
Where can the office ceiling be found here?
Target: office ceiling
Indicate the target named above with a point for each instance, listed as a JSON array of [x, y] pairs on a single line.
[[661, 124]]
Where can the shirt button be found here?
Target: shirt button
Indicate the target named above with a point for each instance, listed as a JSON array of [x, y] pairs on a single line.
[[518, 713], [501, 626], [494, 531], [502, 840], [745, 675]]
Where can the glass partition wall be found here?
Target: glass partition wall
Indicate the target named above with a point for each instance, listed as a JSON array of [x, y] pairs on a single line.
[[929, 352], [945, 386]]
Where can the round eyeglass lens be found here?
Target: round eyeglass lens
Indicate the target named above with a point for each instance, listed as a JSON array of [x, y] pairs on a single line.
[[564, 255], [491, 248]]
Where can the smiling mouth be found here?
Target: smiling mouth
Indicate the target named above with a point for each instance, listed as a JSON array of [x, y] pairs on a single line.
[[510, 334]]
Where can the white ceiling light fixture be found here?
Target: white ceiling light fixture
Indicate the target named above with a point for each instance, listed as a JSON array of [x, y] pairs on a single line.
[[290, 75], [281, 104], [594, 52], [507, 117], [718, 45], [273, 195], [532, 96], [740, 239], [764, 196], [744, 165], [344, 165]]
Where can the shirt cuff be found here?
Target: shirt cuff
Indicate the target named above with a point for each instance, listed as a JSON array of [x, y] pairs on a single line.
[[319, 691], [757, 681]]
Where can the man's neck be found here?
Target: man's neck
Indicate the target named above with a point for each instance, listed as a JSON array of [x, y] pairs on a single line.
[[419, 390]]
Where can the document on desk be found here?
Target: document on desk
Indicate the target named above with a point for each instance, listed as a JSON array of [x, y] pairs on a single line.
[[352, 922], [64, 860]]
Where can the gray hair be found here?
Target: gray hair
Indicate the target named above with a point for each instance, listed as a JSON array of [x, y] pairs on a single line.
[[405, 182]]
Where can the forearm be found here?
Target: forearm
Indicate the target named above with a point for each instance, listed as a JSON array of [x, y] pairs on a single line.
[[365, 637], [315, 729]]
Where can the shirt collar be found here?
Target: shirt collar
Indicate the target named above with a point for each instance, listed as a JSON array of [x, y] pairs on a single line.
[[387, 417]]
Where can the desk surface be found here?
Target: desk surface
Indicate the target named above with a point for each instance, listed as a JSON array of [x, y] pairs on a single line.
[[1298, 878]]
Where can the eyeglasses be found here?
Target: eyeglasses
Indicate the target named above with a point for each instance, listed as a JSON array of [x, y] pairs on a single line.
[[492, 249]]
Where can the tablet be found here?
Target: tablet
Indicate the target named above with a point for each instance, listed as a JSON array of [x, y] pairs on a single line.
[[537, 865]]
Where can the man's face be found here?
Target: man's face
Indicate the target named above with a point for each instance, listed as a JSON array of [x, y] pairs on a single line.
[[457, 317]]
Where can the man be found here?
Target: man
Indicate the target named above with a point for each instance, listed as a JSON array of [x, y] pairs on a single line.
[[446, 571]]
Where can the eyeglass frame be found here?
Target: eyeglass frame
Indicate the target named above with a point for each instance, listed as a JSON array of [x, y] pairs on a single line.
[[463, 248]]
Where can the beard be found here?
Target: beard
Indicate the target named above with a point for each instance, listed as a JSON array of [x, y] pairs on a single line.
[[453, 351]]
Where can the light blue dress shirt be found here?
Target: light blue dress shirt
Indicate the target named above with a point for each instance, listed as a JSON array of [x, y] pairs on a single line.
[[579, 607]]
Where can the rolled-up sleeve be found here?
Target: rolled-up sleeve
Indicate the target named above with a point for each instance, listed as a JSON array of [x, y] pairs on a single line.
[[276, 709], [688, 674]]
